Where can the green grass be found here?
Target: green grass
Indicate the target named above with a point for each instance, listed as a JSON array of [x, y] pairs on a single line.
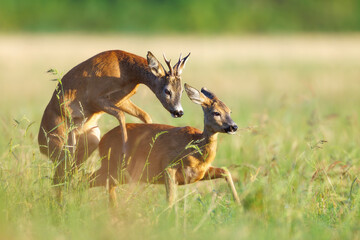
[[295, 157]]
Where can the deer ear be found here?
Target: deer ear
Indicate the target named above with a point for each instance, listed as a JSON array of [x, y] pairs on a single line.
[[194, 95], [181, 65], [208, 93], [155, 66]]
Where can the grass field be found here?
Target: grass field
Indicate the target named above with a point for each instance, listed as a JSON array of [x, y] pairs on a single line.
[[296, 155]]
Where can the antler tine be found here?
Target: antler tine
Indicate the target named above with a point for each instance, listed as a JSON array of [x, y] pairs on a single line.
[[180, 64], [168, 64], [176, 66], [184, 59]]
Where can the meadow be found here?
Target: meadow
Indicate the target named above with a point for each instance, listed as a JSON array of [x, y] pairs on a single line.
[[296, 155]]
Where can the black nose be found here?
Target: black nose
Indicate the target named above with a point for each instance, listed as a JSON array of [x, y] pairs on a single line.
[[231, 128], [178, 113], [234, 127]]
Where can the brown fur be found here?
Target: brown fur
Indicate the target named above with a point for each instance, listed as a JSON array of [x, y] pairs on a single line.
[[170, 161]]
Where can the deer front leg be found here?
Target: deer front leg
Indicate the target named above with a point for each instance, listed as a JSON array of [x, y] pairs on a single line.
[[110, 108], [170, 185], [214, 172], [123, 132], [129, 107]]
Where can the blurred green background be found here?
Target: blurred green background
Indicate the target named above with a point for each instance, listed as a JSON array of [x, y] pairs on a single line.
[[180, 16]]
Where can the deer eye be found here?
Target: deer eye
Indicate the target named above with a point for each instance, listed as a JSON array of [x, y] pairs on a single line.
[[216, 114], [167, 92]]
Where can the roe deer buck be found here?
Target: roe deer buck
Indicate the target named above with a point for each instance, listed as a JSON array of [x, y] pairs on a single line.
[[103, 84], [170, 160]]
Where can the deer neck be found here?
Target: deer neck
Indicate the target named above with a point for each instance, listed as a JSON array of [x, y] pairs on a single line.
[[145, 76], [209, 146]]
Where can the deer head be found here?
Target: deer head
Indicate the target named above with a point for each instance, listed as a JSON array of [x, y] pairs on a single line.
[[216, 113], [168, 87]]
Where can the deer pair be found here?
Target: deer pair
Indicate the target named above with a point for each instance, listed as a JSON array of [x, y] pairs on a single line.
[[103, 84]]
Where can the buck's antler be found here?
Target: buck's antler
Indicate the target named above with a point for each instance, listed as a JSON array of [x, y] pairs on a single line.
[[169, 65], [180, 64]]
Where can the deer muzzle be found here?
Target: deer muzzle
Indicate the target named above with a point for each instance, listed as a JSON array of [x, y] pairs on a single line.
[[231, 129]]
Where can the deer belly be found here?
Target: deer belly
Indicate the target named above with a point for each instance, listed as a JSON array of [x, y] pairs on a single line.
[[191, 175]]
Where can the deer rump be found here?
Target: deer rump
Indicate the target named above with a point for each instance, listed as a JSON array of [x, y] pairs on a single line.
[[148, 157]]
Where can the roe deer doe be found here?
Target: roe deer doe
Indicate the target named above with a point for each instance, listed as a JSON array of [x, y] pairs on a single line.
[[103, 84], [179, 155]]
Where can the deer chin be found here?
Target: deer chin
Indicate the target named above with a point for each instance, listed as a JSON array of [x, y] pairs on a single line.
[[231, 132]]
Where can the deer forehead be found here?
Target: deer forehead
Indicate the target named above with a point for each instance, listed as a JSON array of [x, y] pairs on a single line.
[[174, 83], [172, 78], [220, 106]]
